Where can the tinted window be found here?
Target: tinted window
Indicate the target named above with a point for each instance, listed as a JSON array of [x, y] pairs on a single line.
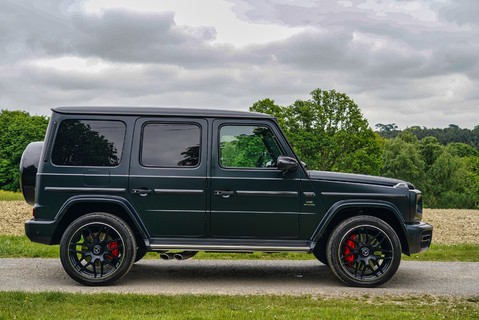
[[89, 143], [170, 145], [248, 147]]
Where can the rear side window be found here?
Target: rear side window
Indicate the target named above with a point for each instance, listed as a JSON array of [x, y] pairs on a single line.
[[170, 145], [89, 143]]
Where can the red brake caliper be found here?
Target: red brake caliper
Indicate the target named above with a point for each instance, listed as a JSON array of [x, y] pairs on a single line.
[[113, 247], [348, 256]]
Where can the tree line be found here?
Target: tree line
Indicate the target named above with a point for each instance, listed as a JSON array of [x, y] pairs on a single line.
[[329, 133]]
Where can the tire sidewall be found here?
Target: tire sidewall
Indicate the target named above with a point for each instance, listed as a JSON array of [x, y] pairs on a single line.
[[334, 246], [116, 224]]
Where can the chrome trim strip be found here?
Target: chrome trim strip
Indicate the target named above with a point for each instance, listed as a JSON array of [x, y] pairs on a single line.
[[87, 190], [237, 248], [179, 211], [254, 178], [199, 176], [179, 191], [267, 193], [255, 212], [363, 195]]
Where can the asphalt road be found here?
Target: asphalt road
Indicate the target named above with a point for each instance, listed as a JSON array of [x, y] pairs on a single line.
[[243, 277]]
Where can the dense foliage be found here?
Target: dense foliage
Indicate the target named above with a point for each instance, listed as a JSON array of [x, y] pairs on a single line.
[[328, 132], [18, 129], [451, 134], [447, 175]]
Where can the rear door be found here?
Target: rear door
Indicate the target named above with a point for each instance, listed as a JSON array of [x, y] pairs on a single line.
[[168, 176]]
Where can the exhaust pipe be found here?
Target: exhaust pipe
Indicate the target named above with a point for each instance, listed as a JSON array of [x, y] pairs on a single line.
[[166, 256], [184, 255]]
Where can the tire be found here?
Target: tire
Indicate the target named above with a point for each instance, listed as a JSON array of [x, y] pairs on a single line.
[[364, 251], [97, 249]]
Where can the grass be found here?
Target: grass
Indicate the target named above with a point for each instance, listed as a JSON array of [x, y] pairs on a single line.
[[21, 247], [55, 305], [10, 196]]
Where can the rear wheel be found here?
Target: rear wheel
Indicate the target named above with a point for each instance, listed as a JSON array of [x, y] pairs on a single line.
[[364, 251], [97, 249]]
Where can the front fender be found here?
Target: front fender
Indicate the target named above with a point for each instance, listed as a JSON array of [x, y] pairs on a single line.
[[333, 214]]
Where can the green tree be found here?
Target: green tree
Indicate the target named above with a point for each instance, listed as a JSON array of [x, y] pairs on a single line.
[[19, 128], [430, 150], [402, 160], [451, 185], [328, 132]]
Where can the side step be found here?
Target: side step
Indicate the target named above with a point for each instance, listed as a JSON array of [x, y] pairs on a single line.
[[227, 247]]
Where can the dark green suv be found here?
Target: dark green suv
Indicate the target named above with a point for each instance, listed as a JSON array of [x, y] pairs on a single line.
[[112, 183]]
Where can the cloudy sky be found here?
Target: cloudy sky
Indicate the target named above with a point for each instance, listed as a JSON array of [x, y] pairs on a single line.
[[402, 61]]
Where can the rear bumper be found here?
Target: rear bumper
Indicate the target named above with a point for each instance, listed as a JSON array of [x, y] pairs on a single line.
[[419, 237], [40, 231]]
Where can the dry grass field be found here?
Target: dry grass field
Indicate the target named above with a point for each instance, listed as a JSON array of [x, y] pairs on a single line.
[[451, 226]]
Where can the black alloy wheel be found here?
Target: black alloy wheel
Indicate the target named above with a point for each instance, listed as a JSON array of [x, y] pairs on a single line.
[[97, 249], [364, 251]]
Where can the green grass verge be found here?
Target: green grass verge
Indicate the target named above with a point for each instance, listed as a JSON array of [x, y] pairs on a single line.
[[20, 246], [10, 196], [55, 305]]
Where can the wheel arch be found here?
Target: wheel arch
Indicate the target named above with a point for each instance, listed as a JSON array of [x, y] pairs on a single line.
[[82, 205], [347, 209]]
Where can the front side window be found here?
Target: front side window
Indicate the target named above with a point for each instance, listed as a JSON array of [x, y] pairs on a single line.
[[170, 145], [89, 143], [248, 147]]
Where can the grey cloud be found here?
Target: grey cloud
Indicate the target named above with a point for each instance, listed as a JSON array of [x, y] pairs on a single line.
[[150, 38], [30, 28], [462, 12], [154, 61]]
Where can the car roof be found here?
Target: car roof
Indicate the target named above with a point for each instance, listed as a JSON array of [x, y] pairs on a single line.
[[158, 111]]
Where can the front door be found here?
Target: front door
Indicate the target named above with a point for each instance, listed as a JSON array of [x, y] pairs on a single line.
[[168, 176], [250, 197]]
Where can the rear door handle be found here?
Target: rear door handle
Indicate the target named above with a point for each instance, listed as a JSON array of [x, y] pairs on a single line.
[[142, 192], [223, 193]]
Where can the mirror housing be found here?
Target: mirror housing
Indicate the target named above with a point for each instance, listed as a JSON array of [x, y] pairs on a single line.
[[287, 164]]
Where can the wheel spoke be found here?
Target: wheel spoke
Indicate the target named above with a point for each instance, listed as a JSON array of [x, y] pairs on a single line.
[[77, 251], [372, 269], [366, 236]]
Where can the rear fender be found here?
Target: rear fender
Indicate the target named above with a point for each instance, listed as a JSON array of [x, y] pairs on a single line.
[[67, 212]]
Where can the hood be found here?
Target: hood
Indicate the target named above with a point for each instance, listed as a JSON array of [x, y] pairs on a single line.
[[356, 178]]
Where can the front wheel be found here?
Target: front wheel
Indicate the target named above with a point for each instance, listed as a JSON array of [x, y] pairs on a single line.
[[97, 249], [364, 251]]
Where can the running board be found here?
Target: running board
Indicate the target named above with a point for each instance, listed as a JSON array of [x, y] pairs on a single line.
[[228, 248]]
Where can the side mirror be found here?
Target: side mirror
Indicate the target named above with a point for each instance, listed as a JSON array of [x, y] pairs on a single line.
[[287, 164]]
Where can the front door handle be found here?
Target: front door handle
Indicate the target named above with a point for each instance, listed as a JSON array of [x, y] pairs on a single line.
[[142, 192], [223, 193]]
